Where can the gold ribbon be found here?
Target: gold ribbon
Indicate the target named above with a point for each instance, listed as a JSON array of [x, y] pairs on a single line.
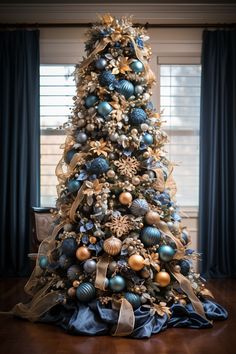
[[101, 272], [180, 248], [126, 320], [77, 201]]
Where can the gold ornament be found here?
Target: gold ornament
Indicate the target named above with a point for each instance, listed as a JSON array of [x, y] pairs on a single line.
[[121, 225], [125, 198], [136, 262], [127, 166], [152, 217], [135, 180], [111, 173], [92, 239], [112, 246], [162, 278], [71, 292], [83, 253], [76, 283]]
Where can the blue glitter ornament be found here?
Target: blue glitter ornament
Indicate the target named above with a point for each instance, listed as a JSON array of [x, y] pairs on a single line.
[[106, 78], [85, 292], [148, 139], [91, 100], [64, 261], [125, 88], [139, 207], [137, 116], [73, 272], [101, 63], [69, 246], [150, 236], [73, 185], [137, 66], [184, 266], [69, 155], [134, 299], [117, 283], [43, 262], [99, 166], [104, 108], [166, 253]]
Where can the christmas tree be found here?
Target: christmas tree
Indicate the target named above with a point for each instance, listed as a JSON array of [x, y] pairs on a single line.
[[118, 260]]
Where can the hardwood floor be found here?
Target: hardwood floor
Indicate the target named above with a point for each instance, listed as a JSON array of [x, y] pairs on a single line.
[[22, 337]]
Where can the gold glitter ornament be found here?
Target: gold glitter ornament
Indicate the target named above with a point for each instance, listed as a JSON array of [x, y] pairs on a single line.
[[112, 246]]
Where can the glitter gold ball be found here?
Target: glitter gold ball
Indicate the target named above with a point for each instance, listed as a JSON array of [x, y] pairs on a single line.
[[83, 253], [162, 278], [152, 217], [136, 262], [125, 198]]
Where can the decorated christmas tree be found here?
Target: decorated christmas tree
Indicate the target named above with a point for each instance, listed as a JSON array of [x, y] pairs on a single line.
[[118, 260]]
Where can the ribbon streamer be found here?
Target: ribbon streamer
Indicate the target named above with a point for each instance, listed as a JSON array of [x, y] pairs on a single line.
[[180, 249], [126, 320], [101, 272], [77, 201]]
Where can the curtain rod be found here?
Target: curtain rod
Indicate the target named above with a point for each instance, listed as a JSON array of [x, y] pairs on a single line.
[[146, 25]]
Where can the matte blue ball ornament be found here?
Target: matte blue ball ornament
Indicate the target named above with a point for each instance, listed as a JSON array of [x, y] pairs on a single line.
[[43, 262], [139, 207], [134, 299], [125, 88], [69, 246], [137, 116], [85, 292], [150, 236], [74, 272], [106, 78], [104, 108], [101, 63], [99, 166], [166, 253], [90, 266], [73, 185], [184, 266], [69, 155], [137, 66], [81, 138], [91, 100], [148, 139], [117, 283]]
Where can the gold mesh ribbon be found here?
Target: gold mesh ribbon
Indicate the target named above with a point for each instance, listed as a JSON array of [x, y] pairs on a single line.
[[179, 254], [126, 320], [101, 272]]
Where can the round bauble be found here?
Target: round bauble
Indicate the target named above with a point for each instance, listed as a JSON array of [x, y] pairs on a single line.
[[134, 299], [43, 262], [81, 138], [85, 292], [104, 108], [138, 89], [90, 127], [98, 166], [166, 253], [139, 207], [137, 66], [111, 173], [125, 88], [148, 139], [73, 272], [150, 236], [112, 266], [69, 246], [152, 217], [162, 278], [125, 198], [83, 253], [112, 246], [73, 185], [71, 292], [68, 227], [101, 63], [135, 181], [64, 261], [184, 266], [106, 78], [145, 273], [69, 155], [137, 116], [90, 101], [117, 283], [90, 266], [136, 262]]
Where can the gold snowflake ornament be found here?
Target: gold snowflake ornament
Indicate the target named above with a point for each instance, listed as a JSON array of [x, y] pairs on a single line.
[[127, 166], [120, 225]]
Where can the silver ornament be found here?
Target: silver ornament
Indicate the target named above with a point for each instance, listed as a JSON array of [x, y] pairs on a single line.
[[114, 136], [138, 89], [144, 127], [81, 138], [90, 266], [112, 266]]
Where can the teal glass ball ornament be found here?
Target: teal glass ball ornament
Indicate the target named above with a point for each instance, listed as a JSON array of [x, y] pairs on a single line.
[[166, 253], [85, 292], [69, 155], [184, 266], [117, 283], [104, 108], [147, 139], [69, 246], [150, 236], [101, 63], [106, 78], [73, 185], [43, 262], [139, 207], [137, 116], [137, 66], [99, 166], [90, 266], [81, 138], [134, 299], [74, 272], [91, 100], [125, 88]]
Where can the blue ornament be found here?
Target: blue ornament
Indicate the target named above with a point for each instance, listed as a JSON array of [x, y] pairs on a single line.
[[73, 185], [85, 292], [74, 272], [166, 253], [148, 139], [137, 66], [137, 116], [104, 108], [184, 238], [90, 266], [150, 236], [184, 266], [101, 63], [125, 88], [69, 155], [99, 166], [176, 217], [69, 246], [139, 207], [43, 262], [106, 78], [64, 261], [164, 198], [134, 299], [117, 283], [91, 100], [81, 138]]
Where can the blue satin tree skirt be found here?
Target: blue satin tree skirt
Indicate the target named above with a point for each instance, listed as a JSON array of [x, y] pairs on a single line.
[[96, 319]]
